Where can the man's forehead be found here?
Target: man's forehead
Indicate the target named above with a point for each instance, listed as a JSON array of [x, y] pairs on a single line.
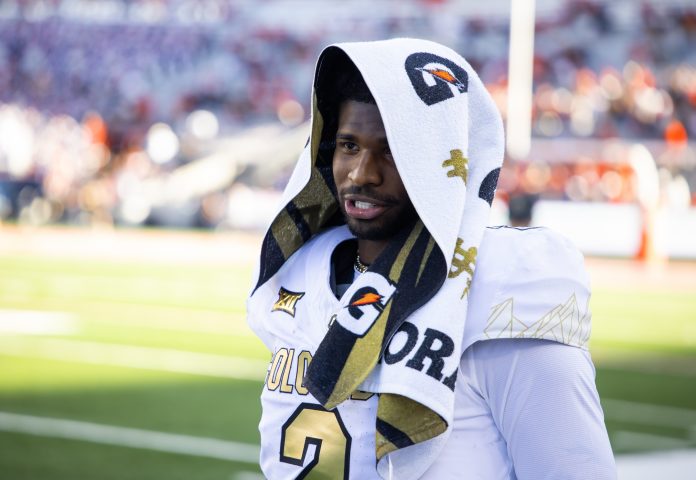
[[360, 115]]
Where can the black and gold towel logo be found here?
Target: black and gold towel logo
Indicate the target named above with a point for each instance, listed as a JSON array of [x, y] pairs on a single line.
[[435, 78], [287, 301]]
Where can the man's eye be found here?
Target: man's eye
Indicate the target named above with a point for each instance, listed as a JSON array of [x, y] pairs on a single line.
[[348, 146]]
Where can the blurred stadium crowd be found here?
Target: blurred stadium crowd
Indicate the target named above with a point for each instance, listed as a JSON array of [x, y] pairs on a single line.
[[98, 99]]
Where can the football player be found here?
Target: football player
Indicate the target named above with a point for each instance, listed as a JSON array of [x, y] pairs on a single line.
[[408, 340]]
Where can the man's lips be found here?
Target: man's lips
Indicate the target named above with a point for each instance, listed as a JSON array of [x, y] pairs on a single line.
[[363, 208]]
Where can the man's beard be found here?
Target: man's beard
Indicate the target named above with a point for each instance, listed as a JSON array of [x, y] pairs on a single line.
[[382, 228]]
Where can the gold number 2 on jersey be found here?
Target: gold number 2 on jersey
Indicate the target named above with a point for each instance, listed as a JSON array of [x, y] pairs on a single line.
[[312, 424]]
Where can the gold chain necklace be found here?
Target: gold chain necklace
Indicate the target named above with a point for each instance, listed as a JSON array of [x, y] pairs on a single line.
[[359, 266]]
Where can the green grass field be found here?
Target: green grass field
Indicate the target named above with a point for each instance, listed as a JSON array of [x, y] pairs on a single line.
[[138, 345]]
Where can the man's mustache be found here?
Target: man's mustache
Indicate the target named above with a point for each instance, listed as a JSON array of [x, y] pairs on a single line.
[[367, 191]]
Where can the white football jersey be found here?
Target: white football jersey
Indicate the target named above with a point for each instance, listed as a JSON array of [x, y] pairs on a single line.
[[528, 283], [291, 315]]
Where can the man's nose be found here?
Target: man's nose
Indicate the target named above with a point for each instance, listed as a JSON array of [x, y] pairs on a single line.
[[365, 170]]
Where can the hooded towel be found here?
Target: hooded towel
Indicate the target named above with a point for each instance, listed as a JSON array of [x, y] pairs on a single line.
[[446, 138]]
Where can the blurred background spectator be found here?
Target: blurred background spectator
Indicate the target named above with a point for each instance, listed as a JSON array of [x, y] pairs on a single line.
[[187, 113], [520, 209]]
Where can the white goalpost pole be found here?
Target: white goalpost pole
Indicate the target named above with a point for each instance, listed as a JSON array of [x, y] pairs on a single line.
[[521, 62]]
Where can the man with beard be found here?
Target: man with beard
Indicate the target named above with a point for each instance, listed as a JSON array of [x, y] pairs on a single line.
[[391, 359]]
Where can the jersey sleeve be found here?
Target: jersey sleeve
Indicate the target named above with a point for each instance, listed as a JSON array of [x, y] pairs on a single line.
[[529, 283], [542, 397]]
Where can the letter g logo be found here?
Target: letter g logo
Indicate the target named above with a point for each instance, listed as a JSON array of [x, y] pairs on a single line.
[[365, 303], [435, 78]]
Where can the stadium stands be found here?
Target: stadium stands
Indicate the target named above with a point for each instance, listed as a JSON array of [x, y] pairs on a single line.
[[82, 84]]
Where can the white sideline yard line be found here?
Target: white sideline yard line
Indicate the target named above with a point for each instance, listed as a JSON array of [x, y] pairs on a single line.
[[169, 360], [672, 465], [130, 437], [33, 322], [234, 326], [648, 414], [38, 322]]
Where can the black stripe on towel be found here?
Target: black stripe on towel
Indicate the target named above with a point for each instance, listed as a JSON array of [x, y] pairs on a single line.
[[274, 259], [328, 361], [393, 434], [297, 217]]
